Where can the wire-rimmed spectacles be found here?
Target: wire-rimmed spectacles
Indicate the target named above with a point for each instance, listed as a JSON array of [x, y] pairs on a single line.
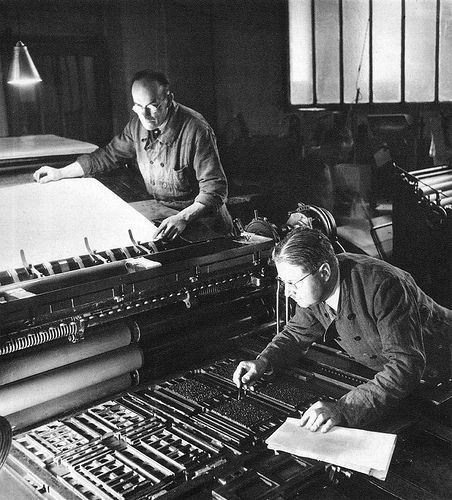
[[295, 283], [151, 107]]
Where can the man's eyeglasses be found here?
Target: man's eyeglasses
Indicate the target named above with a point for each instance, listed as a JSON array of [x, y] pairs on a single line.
[[150, 108], [295, 283]]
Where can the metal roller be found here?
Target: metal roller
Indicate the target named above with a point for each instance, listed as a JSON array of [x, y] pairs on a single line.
[[62, 381], [6, 438], [435, 178], [427, 172], [443, 195], [99, 340], [432, 187], [69, 402]]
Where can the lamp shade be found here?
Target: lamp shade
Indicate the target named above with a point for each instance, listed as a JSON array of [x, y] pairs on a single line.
[[22, 70]]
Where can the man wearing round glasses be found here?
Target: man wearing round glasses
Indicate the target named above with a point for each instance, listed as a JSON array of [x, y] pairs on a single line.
[[382, 318], [176, 152]]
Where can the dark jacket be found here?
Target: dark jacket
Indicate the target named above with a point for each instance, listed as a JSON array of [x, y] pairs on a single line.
[[385, 322]]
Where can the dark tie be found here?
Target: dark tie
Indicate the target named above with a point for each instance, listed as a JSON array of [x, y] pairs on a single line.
[[152, 136], [331, 334]]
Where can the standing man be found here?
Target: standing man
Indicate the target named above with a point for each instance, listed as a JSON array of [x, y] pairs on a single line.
[[382, 318], [177, 155]]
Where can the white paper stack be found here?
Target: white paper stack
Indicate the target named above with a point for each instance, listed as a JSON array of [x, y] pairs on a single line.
[[364, 451]]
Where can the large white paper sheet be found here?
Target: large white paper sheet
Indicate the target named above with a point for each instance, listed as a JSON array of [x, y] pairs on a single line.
[[50, 221], [364, 451]]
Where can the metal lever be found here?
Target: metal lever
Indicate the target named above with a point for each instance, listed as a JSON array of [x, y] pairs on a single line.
[[138, 248], [93, 254], [31, 270]]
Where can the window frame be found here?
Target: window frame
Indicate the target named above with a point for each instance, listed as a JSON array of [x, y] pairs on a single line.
[[401, 106]]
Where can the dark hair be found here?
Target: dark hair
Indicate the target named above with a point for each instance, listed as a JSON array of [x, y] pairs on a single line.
[[150, 76], [307, 248]]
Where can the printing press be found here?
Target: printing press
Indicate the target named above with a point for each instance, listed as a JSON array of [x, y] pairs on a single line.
[[422, 222], [116, 379]]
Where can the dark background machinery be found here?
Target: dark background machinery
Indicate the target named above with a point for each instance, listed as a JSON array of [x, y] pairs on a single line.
[[422, 228]]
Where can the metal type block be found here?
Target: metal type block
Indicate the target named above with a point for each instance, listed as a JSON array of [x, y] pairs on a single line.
[[176, 453], [56, 438], [247, 484], [245, 413], [289, 394], [85, 453], [198, 438], [89, 424], [223, 369], [113, 476], [116, 416], [196, 391], [167, 405], [113, 472], [231, 437], [153, 467], [33, 449]]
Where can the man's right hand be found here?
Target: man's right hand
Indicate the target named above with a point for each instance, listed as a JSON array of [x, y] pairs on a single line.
[[248, 373], [47, 174]]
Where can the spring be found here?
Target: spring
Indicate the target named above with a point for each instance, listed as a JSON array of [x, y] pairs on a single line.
[[41, 337], [229, 283], [210, 289]]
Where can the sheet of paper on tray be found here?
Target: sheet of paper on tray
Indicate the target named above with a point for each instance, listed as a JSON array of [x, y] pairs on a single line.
[[364, 451], [50, 221]]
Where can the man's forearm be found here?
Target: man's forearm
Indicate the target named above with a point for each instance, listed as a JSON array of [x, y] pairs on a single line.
[[193, 212], [72, 170]]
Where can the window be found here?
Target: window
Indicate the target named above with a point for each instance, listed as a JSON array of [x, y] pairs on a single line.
[[369, 51]]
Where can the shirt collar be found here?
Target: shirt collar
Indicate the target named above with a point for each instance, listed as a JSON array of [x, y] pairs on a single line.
[[169, 129], [333, 299]]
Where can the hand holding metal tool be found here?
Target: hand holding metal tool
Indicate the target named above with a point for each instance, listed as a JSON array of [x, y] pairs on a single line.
[[248, 373]]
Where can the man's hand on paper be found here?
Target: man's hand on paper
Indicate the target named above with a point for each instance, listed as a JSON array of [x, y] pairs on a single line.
[[322, 415], [47, 174]]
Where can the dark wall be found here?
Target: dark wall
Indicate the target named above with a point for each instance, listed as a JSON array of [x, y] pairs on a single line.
[[250, 60], [222, 57]]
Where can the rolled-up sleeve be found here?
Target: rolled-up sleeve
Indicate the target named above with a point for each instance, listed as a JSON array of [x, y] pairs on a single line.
[[400, 330], [121, 147], [288, 346], [213, 187]]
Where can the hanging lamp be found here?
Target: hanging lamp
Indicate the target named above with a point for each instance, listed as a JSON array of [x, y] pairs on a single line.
[[22, 70]]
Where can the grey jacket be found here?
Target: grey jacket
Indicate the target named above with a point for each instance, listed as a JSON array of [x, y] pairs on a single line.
[[384, 321], [180, 166]]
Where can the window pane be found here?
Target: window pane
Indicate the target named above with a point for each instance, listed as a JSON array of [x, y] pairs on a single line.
[[420, 26], [327, 50], [300, 55], [445, 49], [356, 46], [386, 50]]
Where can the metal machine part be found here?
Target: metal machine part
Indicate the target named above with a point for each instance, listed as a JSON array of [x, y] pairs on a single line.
[[422, 228], [125, 388], [189, 437], [176, 436]]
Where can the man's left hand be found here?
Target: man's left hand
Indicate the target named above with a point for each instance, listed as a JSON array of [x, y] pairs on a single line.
[[322, 415], [171, 227]]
